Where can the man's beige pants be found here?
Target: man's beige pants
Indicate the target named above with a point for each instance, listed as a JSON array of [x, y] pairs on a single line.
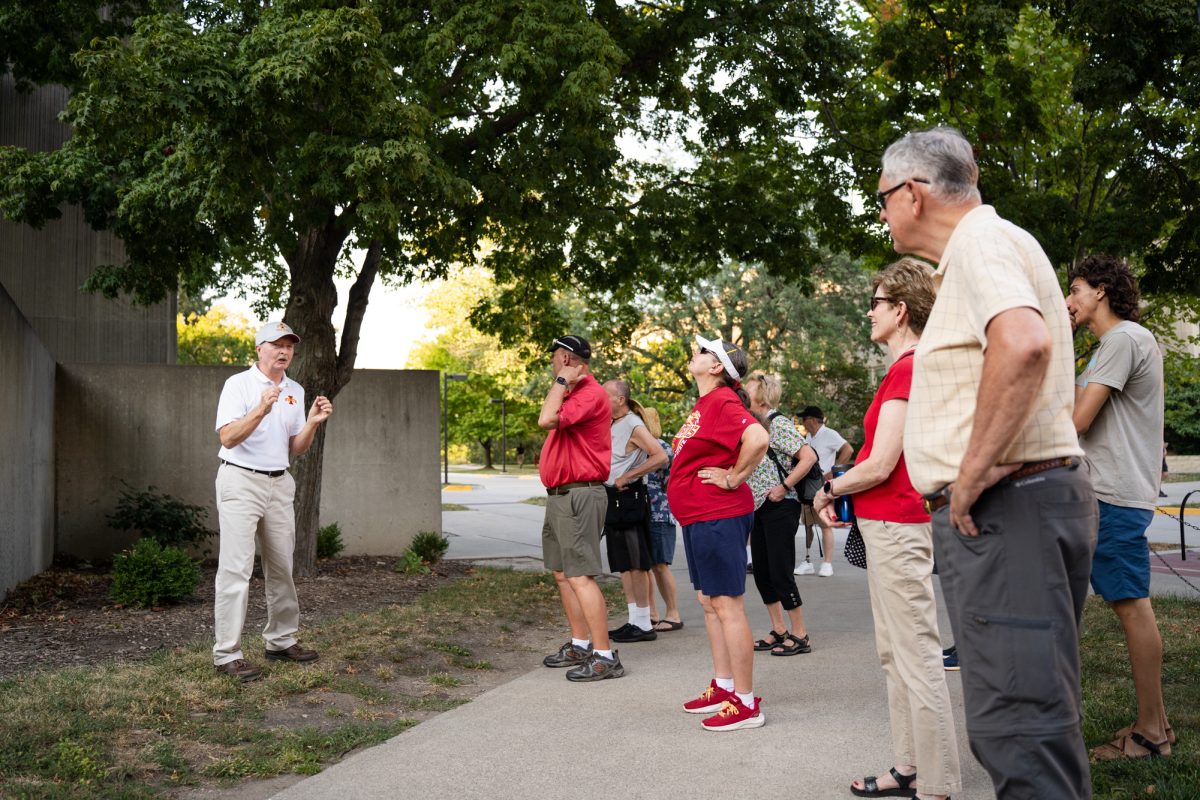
[[244, 499], [900, 576]]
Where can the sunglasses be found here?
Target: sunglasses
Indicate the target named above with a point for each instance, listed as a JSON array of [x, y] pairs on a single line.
[[877, 300], [562, 344], [881, 197]]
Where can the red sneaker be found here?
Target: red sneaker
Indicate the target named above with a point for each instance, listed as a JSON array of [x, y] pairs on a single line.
[[734, 716], [710, 700]]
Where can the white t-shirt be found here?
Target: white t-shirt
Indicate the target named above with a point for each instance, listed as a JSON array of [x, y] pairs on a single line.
[[622, 462], [826, 442], [267, 447]]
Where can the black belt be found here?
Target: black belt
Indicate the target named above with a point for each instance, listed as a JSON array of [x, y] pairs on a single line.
[[270, 473], [567, 487], [941, 498]]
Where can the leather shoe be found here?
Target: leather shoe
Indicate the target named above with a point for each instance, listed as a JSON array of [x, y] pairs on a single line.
[[294, 653], [241, 669], [634, 634]]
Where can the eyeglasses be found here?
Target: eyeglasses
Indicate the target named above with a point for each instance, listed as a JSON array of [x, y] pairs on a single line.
[[877, 300], [881, 197]]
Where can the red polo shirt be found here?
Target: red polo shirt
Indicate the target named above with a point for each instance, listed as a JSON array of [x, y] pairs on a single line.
[[580, 448]]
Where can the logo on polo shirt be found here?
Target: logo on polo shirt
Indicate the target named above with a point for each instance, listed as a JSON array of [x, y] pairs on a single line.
[[291, 400]]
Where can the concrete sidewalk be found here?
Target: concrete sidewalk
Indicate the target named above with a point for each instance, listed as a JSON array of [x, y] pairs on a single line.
[[542, 736]]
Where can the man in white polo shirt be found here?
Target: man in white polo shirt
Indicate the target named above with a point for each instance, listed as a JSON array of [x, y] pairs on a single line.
[[260, 419], [831, 449]]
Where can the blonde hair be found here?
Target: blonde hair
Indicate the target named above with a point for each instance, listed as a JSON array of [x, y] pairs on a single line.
[[653, 423], [769, 385]]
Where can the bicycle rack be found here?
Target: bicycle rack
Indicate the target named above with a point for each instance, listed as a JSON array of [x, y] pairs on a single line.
[[1182, 505]]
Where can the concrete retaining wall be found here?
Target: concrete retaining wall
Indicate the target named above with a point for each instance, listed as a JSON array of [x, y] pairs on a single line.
[[153, 424], [26, 449]]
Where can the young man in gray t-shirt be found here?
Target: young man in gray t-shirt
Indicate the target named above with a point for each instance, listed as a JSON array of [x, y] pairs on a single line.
[[1119, 417]]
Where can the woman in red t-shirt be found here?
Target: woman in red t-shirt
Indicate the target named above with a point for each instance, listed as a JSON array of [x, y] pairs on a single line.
[[717, 448], [899, 543]]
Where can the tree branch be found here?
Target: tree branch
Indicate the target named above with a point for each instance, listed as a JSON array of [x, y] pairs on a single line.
[[356, 308]]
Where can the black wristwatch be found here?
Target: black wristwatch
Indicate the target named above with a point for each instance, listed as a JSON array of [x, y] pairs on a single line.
[[829, 489], [560, 380]]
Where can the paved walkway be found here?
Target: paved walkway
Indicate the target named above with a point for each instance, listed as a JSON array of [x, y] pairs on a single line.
[[540, 736]]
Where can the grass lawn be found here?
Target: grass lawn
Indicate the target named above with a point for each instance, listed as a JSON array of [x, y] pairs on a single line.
[[1182, 477], [140, 730], [1108, 701]]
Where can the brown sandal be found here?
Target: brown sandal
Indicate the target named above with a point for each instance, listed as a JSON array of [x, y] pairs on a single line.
[[1128, 729], [1131, 745]]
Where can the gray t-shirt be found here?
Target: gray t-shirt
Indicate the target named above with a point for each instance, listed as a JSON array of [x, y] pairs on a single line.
[[622, 462], [1123, 446]]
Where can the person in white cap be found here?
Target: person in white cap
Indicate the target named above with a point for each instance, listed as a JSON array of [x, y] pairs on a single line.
[[719, 445], [261, 422]]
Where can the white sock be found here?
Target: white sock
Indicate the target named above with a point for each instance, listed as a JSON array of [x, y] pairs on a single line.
[[642, 617], [747, 699], [724, 683], [606, 653], [582, 644], [632, 613]]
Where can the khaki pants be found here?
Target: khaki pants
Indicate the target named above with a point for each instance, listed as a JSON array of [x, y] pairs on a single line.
[[899, 573], [244, 499]]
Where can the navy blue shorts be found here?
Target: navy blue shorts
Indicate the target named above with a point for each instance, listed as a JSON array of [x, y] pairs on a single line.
[[716, 555], [1121, 566]]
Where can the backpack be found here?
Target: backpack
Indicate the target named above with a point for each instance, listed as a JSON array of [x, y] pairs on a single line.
[[811, 483]]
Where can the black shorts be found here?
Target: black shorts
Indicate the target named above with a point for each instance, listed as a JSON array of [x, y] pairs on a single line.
[[628, 548]]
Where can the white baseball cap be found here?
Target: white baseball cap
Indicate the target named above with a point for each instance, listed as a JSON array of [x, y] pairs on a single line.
[[273, 332], [721, 350]]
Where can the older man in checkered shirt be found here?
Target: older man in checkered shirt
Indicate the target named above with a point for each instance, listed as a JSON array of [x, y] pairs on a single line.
[[990, 443]]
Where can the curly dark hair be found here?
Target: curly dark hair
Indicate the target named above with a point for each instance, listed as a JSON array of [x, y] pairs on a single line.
[[1114, 275]]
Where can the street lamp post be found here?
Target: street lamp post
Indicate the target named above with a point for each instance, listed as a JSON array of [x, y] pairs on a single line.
[[503, 433], [446, 378]]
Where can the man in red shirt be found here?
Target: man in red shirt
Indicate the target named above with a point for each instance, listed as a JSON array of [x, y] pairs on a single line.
[[574, 466]]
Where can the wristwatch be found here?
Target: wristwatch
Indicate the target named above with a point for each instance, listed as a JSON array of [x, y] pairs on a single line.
[[560, 380], [829, 489]]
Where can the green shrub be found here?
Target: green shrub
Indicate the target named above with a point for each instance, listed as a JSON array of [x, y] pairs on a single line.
[[149, 574], [430, 546], [411, 564], [161, 517], [329, 541]]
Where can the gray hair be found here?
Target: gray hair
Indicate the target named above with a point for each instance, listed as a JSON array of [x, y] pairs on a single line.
[[941, 156]]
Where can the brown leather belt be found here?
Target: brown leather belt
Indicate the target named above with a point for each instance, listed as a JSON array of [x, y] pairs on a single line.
[[567, 487], [941, 499]]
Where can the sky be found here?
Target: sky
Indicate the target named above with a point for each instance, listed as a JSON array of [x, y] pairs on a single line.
[[395, 321]]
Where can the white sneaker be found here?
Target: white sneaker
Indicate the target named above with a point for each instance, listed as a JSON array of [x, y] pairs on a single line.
[[805, 568], [826, 569]]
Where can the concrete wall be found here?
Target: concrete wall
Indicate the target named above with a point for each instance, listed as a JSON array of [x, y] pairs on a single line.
[[26, 449], [43, 269], [153, 425]]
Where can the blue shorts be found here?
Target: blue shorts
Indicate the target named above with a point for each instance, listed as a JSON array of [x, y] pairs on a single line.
[[1121, 566], [716, 555], [662, 542]]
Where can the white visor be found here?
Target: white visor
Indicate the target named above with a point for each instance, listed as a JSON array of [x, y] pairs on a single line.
[[721, 350]]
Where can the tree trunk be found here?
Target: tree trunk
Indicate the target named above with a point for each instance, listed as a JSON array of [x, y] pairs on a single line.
[[486, 444], [310, 308]]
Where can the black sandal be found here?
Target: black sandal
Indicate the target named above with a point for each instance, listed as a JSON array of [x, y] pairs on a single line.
[[871, 786], [776, 640], [796, 647]]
